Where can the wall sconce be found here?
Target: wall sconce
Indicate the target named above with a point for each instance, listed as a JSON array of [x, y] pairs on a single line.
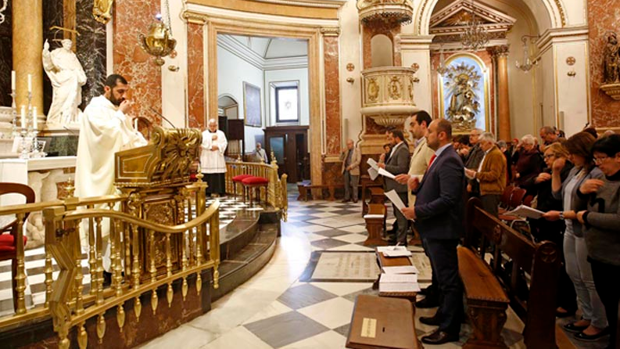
[[415, 67], [570, 61], [527, 63], [159, 41], [350, 68], [350, 80]]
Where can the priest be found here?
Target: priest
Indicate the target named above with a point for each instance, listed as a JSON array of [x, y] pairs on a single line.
[[105, 128], [212, 159]]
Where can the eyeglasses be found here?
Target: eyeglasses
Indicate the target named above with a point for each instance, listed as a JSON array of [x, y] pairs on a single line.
[[549, 156], [600, 160]]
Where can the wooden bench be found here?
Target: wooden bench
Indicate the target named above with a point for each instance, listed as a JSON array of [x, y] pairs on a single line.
[[366, 194], [379, 322], [527, 271], [375, 225], [377, 196], [306, 188], [486, 301]]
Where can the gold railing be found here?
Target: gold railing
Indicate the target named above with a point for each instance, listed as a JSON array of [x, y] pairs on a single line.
[[143, 256], [276, 189]]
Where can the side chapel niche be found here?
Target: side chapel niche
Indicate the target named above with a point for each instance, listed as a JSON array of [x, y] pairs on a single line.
[[387, 87]]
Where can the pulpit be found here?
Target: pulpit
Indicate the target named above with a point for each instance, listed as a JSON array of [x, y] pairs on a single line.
[[156, 178]]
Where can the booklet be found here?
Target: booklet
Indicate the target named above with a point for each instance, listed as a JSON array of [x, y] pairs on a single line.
[[385, 173], [408, 269], [398, 283], [393, 196], [525, 211]]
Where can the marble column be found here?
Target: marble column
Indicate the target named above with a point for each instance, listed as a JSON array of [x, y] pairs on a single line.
[[27, 50], [196, 71], [332, 89], [503, 102]]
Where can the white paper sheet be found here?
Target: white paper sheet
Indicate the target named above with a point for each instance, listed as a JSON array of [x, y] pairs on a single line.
[[373, 173], [391, 248], [398, 287], [410, 269], [398, 253], [398, 278], [372, 163], [525, 211], [374, 216], [385, 173], [393, 196]]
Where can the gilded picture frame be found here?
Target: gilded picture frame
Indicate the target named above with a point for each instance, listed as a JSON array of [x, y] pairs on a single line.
[[252, 108]]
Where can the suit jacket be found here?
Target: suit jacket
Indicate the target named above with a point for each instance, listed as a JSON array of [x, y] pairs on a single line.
[[356, 158], [440, 198], [492, 174], [419, 163], [397, 164]]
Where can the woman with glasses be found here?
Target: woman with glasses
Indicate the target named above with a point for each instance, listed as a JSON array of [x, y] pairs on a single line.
[[543, 229], [602, 226], [593, 323]]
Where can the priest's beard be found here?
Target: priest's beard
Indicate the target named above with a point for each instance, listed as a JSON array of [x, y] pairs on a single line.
[[115, 101]]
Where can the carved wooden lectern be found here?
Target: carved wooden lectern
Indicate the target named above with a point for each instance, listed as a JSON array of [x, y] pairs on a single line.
[[156, 179]]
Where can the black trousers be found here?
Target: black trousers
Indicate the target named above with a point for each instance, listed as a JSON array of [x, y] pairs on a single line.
[[490, 203], [445, 263], [432, 291], [606, 278]]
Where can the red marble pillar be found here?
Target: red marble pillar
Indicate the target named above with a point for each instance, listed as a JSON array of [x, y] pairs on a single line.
[[196, 74], [133, 17], [332, 93]]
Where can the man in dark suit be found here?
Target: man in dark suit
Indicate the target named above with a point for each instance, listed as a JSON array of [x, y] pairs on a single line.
[[398, 163], [438, 213]]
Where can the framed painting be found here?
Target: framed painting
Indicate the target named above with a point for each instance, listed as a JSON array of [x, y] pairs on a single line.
[[252, 105], [464, 93]]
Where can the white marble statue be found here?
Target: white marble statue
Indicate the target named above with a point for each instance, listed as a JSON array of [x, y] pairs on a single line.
[[67, 77]]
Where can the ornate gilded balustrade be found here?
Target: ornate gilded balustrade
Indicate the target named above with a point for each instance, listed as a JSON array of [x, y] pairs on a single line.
[[387, 96], [277, 191], [144, 256]]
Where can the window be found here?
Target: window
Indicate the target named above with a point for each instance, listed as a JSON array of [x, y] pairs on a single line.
[[287, 104]]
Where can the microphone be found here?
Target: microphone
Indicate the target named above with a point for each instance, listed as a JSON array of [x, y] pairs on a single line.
[[163, 117]]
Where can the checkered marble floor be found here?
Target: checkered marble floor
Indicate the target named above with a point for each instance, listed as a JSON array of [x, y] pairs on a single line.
[[35, 264]]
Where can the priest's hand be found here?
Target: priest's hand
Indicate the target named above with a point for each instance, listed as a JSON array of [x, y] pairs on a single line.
[[214, 148], [409, 212], [125, 106], [214, 137], [402, 178]]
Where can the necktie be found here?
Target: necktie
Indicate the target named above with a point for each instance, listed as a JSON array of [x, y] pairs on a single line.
[[432, 159]]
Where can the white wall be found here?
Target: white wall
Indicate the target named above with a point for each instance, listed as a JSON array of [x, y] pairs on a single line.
[[232, 72], [300, 75]]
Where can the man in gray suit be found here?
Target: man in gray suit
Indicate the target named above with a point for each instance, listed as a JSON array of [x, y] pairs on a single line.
[[398, 163], [351, 158]]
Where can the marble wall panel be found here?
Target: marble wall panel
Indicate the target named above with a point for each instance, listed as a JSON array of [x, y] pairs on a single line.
[[391, 31], [6, 57], [601, 19], [131, 18], [195, 75], [332, 95], [91, 50], [331, 173]]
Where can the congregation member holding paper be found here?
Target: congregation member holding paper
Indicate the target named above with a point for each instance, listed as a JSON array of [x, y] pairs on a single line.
[[438, 212], [398, 163]]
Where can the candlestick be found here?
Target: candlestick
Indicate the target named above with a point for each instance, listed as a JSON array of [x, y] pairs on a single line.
[[24, 125], [29, 83], [13, 80], [34, 118]]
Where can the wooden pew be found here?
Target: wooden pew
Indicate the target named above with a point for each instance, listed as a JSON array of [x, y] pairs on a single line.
[[514, 256], [379, 322], [375, 224], [367, 193], [305, 188]]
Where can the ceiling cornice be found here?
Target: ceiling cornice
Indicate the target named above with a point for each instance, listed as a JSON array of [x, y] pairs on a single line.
[[240, 50]]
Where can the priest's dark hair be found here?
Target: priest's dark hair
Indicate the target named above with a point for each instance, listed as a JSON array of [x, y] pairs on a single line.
[[114, 79], [422, 116], [398, 133]]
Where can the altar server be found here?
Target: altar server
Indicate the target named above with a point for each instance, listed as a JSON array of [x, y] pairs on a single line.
[[212, 159]]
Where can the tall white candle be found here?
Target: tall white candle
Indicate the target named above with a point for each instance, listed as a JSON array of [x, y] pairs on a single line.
[[23, 116], [34, 118], [13, 80], [29, 83]]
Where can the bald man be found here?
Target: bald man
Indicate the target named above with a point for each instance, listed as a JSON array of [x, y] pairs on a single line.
[[351, 158], [212, 160]]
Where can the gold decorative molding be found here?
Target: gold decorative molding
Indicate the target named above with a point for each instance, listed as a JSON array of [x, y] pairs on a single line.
[[396, 12], [276, 8], [330, 31], [195, 18], [500, 51], [387, 94], [612, 90]]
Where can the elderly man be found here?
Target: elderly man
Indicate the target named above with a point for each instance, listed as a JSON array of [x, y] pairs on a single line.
[[351, 158], [473, 159], [260, 153], [491, 174], [212, 159], [438, 213], [548, 135]]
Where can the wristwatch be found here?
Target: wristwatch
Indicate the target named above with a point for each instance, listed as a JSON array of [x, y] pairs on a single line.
[[561, 215]]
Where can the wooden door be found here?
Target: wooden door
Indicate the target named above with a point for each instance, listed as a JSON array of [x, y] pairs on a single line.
[[290, 147]]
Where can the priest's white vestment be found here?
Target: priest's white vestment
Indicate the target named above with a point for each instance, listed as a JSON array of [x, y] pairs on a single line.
[[212, 161], [104, 130]]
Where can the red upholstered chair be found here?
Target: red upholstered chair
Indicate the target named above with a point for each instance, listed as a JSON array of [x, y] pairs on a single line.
[[8, 244], [256, 183], [239, 179]]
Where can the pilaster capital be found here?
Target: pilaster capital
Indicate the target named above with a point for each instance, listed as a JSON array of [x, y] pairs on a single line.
[[195, 18], [330, 31], [500, 51]]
